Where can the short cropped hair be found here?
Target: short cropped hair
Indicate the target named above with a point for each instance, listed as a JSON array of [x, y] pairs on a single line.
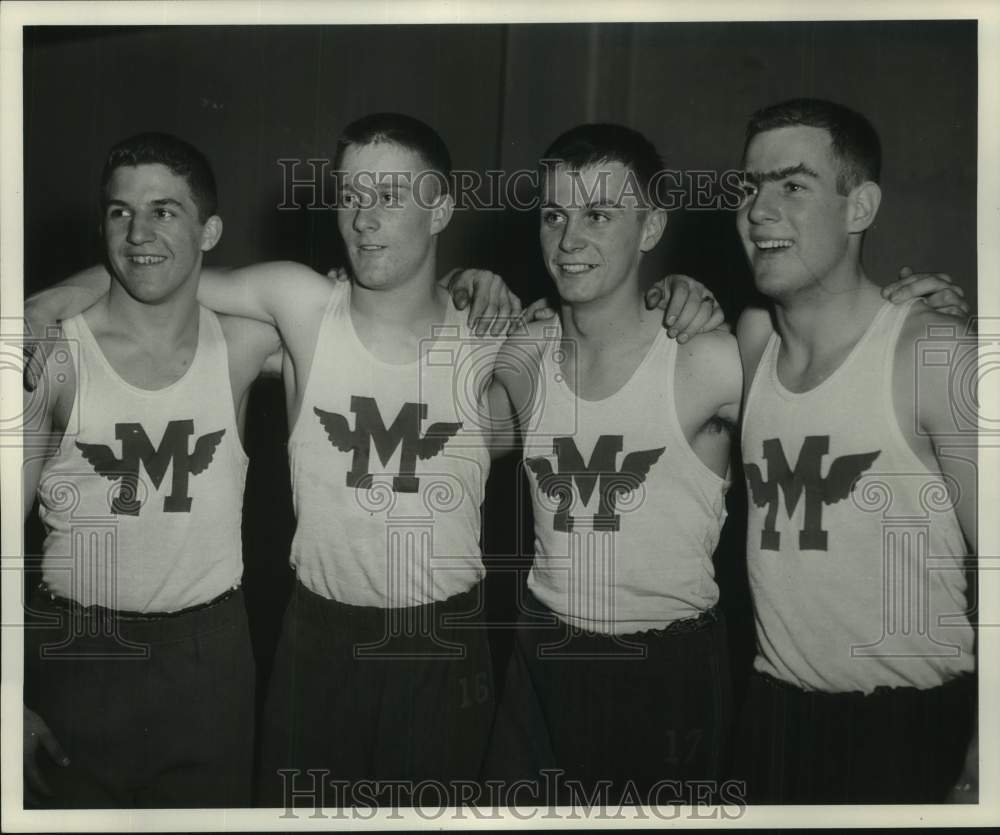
[[405, 131], [594, 144], [855, 141], [182, 158]]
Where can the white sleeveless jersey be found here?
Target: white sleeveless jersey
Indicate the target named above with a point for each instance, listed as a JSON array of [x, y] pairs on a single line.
[[143, 500], [853, 546], [389, 466], [626, 515]]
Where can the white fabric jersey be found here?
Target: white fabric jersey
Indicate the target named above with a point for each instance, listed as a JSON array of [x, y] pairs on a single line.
[[143, 500], [389, 468], [853, 546], [626, 515]]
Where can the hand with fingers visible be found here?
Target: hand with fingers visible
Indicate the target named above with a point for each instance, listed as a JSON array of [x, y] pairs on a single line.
[[936, 289], [690, 307], [38, 736], [966, 788], [493, 307], [337, 274], [539, 311]]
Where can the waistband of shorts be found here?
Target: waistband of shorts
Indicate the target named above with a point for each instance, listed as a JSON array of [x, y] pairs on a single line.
[[882, 691], [317, 607], [695, 623], [96, 611]]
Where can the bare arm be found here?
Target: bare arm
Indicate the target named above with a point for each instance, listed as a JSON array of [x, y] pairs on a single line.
[[932, 400], [752, 332], [281, 293], [513, 388], [41, 433], [939, 399], [67, 298], [268, 292]]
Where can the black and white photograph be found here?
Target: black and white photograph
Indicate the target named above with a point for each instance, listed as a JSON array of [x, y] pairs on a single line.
[[466, 415]]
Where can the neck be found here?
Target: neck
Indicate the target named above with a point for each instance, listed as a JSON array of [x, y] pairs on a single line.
[[606, 322], [414, 300], [168, 323], [821, 318]]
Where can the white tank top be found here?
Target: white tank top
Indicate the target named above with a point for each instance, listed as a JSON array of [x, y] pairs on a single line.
[[389, 467], [853, 545], [143, 500], [626, 515]]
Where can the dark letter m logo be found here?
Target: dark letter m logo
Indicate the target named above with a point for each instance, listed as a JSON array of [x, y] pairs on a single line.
[[804, 479]]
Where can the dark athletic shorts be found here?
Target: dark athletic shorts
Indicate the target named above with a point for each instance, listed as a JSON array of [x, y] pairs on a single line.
[[896, 745], [155, 712], [399, 700], [647, 713]]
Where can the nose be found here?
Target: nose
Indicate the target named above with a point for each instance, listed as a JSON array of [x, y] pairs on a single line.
[[762, 206], [140, 230], [365, 220], [571, 240]]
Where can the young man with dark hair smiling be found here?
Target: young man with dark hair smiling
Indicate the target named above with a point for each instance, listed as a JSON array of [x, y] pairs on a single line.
[[864, 687], [142, 694]]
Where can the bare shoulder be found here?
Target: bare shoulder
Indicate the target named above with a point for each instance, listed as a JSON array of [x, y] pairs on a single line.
[[538, 330], [932, 350], [754, 328], [924, 322], [709, 369], [530, 340], [519, 358], [928, 330], [716, 349]]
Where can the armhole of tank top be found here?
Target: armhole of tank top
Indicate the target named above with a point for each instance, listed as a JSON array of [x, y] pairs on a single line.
[[219, 337], [530, 448], [764, 364], [888, 388], [454, 317], [336, 298], [673, 419], [72, 329]]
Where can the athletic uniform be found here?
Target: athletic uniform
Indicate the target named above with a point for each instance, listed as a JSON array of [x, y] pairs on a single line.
[[383, 670], [139, 657], [620, 642], [862, 689]]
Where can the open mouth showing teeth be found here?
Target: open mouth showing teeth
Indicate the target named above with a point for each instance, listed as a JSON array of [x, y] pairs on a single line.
[[370, 247], [146, 260], [573, 269], [771, 245]]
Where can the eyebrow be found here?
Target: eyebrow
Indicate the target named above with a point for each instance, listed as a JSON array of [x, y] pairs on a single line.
[[799, 169], [594, 204], [376, 186], [160, 201]]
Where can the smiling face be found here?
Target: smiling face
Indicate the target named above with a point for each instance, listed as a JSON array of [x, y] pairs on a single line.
[[390, 214], [593, 232], [794, 225], [152, 234]]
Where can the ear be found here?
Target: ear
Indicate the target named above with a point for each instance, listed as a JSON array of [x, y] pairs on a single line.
[[441, 213], [211, 232], [652, 228], [862, 206]]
